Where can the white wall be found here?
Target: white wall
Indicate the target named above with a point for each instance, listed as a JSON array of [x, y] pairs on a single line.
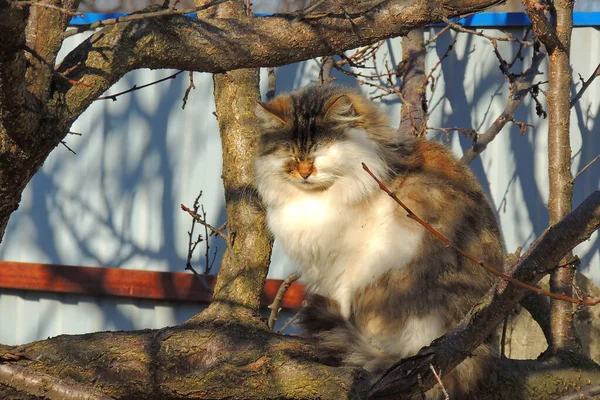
[[116, 203]]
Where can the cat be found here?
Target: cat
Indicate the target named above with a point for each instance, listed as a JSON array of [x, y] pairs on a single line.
[[380, 285]]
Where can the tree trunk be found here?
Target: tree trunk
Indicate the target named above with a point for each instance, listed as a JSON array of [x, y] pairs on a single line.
[[564, 335], [243, 272], [414, 107]]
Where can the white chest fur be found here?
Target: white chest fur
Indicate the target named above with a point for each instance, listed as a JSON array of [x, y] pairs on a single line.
[[341, 248]]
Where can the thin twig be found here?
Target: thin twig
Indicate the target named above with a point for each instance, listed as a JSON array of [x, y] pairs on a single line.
[[518, 90], [586, 84], [279, 298], [507, 38], [437, 36], [113, 97], [411, 215], [438, 63], [192, 247], [288, 323], [187, 91], [202, 222], [68, 148], [139, 16], [438, 378], [586, 167], [208, 265]]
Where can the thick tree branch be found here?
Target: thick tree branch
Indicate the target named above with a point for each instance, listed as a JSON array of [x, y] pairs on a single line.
[[218, 45], [448, 351]]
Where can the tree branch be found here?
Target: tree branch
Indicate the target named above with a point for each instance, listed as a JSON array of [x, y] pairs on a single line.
[[452, 348], [585, 85], [219, 44], [46, 386], [293, 277], [518, 90]]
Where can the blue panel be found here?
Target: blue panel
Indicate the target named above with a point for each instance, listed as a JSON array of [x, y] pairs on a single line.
[[481, 20]]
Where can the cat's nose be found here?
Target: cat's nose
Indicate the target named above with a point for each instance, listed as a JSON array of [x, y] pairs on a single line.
[[305, 169]]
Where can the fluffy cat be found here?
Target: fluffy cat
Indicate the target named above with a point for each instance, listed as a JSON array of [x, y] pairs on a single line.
[[381, 286]]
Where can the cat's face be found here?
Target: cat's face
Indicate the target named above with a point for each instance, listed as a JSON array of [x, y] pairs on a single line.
[[314, 140]]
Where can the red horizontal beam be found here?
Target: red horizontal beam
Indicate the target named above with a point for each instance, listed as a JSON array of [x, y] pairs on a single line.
[[101, 281]]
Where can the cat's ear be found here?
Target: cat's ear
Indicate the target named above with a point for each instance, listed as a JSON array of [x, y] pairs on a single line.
[[340, 109], [274, 113]]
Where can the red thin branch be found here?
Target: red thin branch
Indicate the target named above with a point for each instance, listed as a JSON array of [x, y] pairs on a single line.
[[516, 282]]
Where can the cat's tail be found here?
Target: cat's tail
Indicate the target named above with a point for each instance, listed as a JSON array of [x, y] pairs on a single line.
[[339, 341]]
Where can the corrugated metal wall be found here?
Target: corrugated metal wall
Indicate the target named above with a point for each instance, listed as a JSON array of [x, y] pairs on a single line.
[[116, 203]]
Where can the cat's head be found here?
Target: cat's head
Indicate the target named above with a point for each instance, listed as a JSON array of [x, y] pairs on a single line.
[[315, 140]]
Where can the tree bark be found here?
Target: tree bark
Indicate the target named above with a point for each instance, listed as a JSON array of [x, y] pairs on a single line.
[[243, 272], [414, 107], [556, 37], [564, 335], [230, 361], [231, 358]]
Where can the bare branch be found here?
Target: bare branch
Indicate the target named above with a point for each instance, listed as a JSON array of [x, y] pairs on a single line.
[[279, 298], [452, 348], [199, 219], [187, 91], [519, 90], [508, 38], [541, 24], [584, 168], [113, 97], [439, 381], [586, 84]]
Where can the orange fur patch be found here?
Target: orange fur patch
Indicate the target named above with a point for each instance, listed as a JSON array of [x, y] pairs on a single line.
[[280, 108], [437, 158]]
